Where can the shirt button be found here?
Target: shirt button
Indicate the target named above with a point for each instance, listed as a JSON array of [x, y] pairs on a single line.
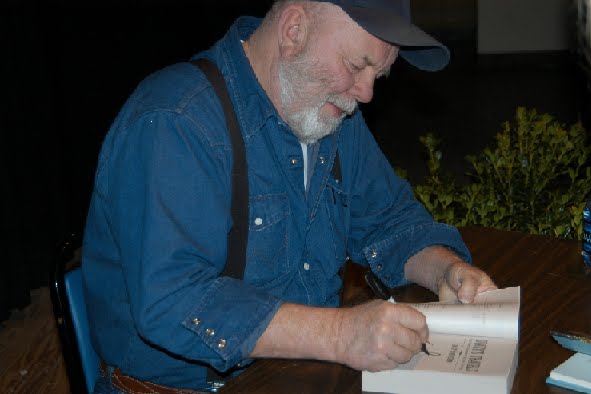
[[210, 332], [293, 162], [258, 221], [196, 321], [307, 266], [373, 254], [322, 159], [222, 343], [379, 267]]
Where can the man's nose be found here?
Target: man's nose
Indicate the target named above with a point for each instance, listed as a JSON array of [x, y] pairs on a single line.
[[362, 90]]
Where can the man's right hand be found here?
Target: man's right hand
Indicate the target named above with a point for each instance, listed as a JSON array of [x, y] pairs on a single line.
[[379, 335], [374, 336]]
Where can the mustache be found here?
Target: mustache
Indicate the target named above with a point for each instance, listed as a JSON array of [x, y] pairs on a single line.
[[346, 105]]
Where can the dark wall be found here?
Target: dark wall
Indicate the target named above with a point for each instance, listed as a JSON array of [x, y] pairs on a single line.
[[67, 67]]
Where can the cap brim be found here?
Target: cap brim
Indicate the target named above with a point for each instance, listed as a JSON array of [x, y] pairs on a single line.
[[416, 47]]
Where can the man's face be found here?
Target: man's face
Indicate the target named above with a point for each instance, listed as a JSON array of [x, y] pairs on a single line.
[[305, 92], [335, 71]]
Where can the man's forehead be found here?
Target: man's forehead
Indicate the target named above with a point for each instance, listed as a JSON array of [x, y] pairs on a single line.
[[373, 52]]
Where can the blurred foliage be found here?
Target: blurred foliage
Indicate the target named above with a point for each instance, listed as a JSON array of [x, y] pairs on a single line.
[[535, 180]]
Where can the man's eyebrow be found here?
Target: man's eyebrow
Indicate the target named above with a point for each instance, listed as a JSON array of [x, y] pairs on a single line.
[[371, 63]]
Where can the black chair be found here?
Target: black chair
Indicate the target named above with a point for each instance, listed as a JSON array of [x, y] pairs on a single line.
[[67, 296]]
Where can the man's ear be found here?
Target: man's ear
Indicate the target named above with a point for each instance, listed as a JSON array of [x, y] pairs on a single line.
[[293, 30]]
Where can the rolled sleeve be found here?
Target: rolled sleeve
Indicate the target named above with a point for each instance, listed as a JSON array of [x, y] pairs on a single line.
[[405, 244], [221, 323], [389, 225]]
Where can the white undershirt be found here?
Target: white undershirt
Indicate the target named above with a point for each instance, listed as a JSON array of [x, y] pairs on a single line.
[[305, 153]]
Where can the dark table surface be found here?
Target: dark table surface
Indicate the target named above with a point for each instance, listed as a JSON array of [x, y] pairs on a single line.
[[555, 294]]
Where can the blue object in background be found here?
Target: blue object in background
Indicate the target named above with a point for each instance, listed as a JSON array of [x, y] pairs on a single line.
[[572, 340], [586, 252]]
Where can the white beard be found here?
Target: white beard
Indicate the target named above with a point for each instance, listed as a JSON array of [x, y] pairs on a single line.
[[298, 84]]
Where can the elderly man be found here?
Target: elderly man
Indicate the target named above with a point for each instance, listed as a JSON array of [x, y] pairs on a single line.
[[163, 314]]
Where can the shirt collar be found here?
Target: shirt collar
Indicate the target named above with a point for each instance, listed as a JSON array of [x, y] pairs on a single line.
[[251, 103]]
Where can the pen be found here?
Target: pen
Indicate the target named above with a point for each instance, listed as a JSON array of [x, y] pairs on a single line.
[[382, 291]]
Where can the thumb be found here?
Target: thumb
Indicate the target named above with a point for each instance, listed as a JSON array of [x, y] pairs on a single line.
[[446, 293]]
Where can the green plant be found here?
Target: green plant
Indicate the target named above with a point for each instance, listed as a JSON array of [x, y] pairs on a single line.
[[535, 180]]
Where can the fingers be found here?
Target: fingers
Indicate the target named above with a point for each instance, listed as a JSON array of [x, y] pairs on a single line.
[[469, 281], [398, 355], [401, 333], [407, 329], [408, 318], [446, 293], [474, 284], [486, 286], [379, 335]]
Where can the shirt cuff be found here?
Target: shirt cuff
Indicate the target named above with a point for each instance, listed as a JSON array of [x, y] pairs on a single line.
[[230, 318]]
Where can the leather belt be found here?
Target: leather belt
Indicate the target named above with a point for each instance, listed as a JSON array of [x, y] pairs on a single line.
[[135, 386]]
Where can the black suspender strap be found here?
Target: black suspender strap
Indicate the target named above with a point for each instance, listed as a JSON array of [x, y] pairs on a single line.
[[238, 236]]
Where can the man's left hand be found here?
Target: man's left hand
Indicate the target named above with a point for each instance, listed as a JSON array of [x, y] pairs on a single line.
[[462, 281], [442, 271]]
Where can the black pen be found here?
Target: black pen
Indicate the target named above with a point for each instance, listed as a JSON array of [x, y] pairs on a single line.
[[382, 291]]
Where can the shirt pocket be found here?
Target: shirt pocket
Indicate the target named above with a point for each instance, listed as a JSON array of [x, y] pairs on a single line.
[[267, 240], [336, 201]]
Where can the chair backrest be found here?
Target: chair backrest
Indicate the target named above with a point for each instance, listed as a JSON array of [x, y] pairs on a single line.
[[88, 357], [67, 294]]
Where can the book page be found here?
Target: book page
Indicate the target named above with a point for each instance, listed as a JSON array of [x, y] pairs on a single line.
[[494, 313], [457, 365], [464, 355]]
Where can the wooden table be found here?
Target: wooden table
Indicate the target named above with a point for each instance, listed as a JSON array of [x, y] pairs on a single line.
[[556, 294]]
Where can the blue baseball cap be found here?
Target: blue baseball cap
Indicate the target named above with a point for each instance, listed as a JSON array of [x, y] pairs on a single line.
[[389, 20]]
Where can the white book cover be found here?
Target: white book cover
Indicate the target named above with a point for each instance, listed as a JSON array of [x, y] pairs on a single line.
[[473, 349]]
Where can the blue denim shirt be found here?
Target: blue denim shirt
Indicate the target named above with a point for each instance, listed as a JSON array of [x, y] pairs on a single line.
[[156, 233]]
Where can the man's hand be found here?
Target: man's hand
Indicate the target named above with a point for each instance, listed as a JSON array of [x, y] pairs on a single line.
[[462, 281], [379, 335], [374, 336], [445, 273]]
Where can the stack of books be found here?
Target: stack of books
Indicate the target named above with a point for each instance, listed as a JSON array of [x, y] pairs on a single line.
[[574, 373]]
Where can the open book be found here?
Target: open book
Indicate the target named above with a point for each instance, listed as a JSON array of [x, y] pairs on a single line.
[[473, 349]]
